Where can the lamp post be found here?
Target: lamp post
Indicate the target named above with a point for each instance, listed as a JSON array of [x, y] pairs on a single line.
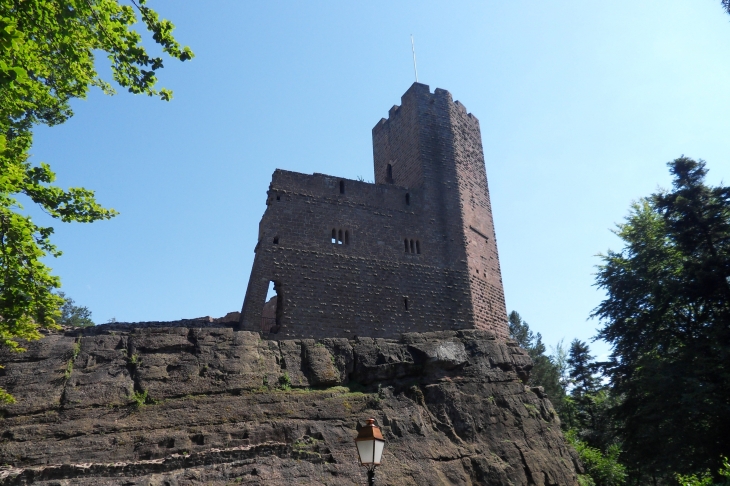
[[370, 445]]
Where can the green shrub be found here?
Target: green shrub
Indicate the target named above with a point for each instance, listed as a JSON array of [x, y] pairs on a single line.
[[603, 469], [705, 478], [285, 381]]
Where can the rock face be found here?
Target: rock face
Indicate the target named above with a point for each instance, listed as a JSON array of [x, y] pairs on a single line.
[[210, 405]]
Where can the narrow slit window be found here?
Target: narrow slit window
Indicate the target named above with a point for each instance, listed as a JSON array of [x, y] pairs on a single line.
[[389, 172], [278, 198], [347, 237], [334, 236], [405, 243], [418, 247], [408, 199], [413, 249], [276, 240], [339, 237], [342, 187], [405, 303]]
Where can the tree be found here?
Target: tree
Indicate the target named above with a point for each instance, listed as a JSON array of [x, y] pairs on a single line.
[[585, 388], [47, 58], [667, 318], [74, 315], [545, 372]]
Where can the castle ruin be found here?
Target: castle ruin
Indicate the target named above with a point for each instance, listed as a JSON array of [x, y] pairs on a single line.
[[414, 252]]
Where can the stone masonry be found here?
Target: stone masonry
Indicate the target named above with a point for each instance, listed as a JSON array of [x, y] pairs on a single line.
[[414, 252]]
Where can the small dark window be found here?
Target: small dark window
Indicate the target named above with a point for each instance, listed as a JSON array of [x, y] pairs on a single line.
[[276, 240], [413, 249], [278, 198], [342, 187], [347, 237], [405, 243], [389, 171], [418, 247], [334, 236], [408, 199], [405, 303], [339, 237]]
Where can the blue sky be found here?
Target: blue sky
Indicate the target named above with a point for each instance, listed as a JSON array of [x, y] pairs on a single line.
[[581, 104]]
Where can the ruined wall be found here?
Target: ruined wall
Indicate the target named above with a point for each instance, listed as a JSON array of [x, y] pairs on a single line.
[[358, 287], [413, 252], [133, 405]]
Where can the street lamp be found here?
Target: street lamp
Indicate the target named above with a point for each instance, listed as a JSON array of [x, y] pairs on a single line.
[[370, 444]]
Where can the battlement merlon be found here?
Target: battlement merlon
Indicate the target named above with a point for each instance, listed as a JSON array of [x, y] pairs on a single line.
[[422, 90]]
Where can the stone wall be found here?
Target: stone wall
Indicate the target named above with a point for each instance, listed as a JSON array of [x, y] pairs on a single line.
[[415, 251], [190, 405]]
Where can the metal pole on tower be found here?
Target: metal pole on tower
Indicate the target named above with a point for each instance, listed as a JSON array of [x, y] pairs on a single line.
[[413, 48]]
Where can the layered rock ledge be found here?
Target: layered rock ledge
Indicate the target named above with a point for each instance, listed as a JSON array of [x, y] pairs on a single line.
[[159, 405]]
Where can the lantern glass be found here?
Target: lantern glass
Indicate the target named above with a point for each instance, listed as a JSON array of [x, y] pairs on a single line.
[[370, 451], [365, 448], [378, 451]]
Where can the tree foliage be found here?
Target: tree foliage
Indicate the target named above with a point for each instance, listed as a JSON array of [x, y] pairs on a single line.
[[74, 315], [544, 371], [47, 58], [571, 381], [602, 469], [667, 318]]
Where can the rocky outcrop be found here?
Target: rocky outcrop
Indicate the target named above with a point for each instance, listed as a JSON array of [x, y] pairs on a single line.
[[208, 405]]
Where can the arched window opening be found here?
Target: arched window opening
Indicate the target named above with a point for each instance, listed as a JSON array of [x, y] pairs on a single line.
[[405, 243], [413, 249], [389, 173], [405, 303], [418, 247], [334, 236], [408, 199], [339, 237], [342, 187], [276, 240], [347, 237]]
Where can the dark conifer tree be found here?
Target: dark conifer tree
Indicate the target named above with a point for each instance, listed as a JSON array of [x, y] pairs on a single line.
[[667, 317]]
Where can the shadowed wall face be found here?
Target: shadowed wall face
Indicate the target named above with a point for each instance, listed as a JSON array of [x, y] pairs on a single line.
[[415, 251]]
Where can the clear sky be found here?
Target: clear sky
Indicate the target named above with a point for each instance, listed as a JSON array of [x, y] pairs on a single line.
[[581, 105]]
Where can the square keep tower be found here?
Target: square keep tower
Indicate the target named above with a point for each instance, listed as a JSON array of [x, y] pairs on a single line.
[[414, 252]]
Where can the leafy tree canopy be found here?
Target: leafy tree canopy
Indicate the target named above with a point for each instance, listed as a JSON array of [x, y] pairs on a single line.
[[667, 318], [74, 315], [47, 55]]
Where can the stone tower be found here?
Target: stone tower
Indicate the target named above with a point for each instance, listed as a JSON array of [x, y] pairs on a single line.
[[414, 252]]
